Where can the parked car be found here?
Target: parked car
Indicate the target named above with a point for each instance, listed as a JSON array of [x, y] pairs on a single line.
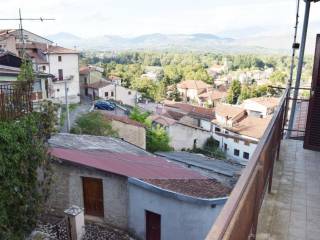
[[105, 105]]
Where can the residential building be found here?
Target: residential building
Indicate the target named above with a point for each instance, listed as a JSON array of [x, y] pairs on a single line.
[[191, 89], [131, 189], [212, 97], [261, 106], [10, 69], [127, 129], [237, 133], [89, 75], [61, 63]]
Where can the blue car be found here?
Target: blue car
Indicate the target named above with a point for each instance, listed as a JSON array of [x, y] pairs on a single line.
[[105, 105]]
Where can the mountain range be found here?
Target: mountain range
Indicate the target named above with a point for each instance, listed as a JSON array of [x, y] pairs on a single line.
[[179, 42]]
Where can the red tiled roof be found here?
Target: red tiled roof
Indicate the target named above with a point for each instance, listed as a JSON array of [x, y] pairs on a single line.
[[162, 120], [123, 119], [84, 70], [193, 84], [125, 164], [62, 50], [100, 84], [213, 95], [203, 188]]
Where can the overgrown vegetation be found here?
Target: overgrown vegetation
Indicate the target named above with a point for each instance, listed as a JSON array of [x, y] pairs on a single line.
[[210, 149], [157, 139], [93, 123], [23, 156]]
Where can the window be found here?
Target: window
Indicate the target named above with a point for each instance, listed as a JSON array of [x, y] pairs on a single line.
[[236, 152], [129, 93], [59, 59], [216, 129], [225, 147], [226, 132], [43, 68], [112, 94], [236, 140], [246, 143], [106, 94], [85, 80], [60, 71], [246, 155], [58, 90]]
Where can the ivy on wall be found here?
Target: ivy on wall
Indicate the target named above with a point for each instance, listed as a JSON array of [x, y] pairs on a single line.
[[24, 172]]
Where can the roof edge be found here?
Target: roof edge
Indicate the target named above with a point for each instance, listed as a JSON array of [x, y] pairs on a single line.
[[178, 196]]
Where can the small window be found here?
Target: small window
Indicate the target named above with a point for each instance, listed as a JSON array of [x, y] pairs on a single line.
[[129, 93], [85, 80], [226, 132], [246, 155], [216, 129], [236, 152], [246, 143], [236, 140], [106, 94], [112, 94], [58, 90], [59, 59], [225, 147], [43, 68]]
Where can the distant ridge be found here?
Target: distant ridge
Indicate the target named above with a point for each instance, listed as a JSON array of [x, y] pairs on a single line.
[[177, 42]]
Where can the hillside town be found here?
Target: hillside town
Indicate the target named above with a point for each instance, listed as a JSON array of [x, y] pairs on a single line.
[[148, 145]]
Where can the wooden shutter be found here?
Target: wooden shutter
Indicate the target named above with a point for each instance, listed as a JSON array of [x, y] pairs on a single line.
[[312, 136]]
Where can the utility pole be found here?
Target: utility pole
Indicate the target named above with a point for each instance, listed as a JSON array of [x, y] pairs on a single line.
[[67, 104]]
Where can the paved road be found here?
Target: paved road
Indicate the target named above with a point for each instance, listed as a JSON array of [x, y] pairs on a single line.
[[80, 110]]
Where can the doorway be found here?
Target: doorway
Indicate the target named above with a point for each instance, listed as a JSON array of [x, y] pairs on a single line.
[[93, 196], [153, 226]]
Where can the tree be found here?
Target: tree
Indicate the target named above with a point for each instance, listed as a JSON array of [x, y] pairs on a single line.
[[234, 92], [245, 93], [94, 123], [278, 77], [158, 140]]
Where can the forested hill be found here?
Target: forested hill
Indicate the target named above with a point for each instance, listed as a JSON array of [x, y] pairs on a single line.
[[167, 42]]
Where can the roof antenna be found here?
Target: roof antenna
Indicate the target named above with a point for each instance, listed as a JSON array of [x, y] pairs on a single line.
[[20, 19]]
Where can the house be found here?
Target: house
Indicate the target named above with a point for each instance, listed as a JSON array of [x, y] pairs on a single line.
[[60, 62], [88, 75], [128, 130], [191, 89], [212, 97], [10, 69], [261, 106], [237, 133], [131, 189], [106, 89]]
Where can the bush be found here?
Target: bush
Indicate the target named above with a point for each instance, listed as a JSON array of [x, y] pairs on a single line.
[[93, 123]]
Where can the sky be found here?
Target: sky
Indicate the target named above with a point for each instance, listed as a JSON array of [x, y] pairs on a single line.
[[90, 18]]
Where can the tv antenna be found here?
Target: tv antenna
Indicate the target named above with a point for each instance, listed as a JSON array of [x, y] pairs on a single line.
[[21, 19]]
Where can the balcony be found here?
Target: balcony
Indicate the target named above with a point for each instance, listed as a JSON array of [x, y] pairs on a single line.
[[278, 195]]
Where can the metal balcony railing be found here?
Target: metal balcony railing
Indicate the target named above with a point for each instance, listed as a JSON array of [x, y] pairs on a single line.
[[15, 101], [238, 218]]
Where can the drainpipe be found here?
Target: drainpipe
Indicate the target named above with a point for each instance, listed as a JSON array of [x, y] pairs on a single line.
[[300, 65]]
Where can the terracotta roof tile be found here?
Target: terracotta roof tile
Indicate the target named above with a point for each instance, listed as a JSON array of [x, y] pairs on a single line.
[[229, 111], [193, 84], [123, 119], [100, 84], [269, 102], [202, 188]]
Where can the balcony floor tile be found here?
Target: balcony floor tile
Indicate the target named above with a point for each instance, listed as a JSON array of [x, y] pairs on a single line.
[[292, 210]]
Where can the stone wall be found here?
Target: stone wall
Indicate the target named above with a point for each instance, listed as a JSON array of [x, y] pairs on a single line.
[[130, 133], [67, 191]]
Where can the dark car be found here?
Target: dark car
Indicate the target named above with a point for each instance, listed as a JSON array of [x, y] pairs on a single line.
[[105, 105]]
